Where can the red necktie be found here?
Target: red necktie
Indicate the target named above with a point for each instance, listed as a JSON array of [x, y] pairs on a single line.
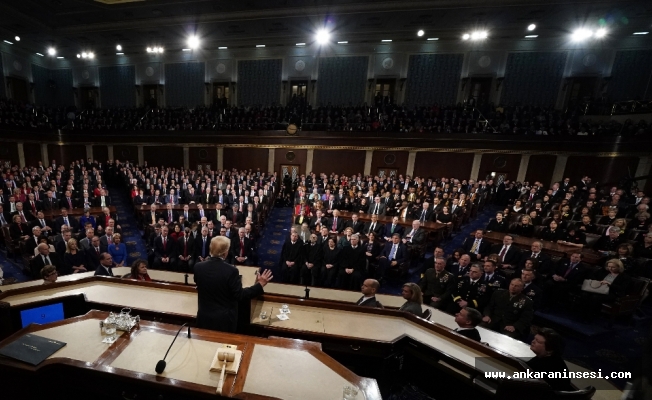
[[334, 224], [241, 248], [22, 217], [33, 206], [502, 253], [185, 247], [164, 244], [69, 202]]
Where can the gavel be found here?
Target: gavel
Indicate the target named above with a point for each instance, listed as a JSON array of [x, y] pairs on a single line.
[[227, 357]]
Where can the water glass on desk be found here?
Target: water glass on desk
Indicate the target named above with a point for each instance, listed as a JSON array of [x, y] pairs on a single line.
[[350, 392]]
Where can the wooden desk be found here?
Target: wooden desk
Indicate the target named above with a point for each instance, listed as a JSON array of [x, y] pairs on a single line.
[[128, 364], [406, 222], [76, 212], [554, 249]]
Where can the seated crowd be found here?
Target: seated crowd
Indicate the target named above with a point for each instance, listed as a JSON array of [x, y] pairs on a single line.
[[382, 116]]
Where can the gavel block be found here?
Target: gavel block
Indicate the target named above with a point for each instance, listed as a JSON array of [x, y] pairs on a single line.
[[227, 357]]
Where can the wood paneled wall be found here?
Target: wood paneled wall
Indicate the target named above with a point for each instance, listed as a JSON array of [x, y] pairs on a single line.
[[400, 163], [101, 153], [203, 155], [491, 162], [123, 152], [436, 165], [9, 152], [32, 154], [540, 168], [601, 170], [170, 156], [348, 162], [301, 156], [241, 158], [65, 154]]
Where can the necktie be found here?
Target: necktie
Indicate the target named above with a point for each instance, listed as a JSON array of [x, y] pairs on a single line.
[[568, 271], [392, 254], [201, 213], [334, 228], [475, 246], [185, 247], [97, 250], [47, 260], [65, 220], [170, 216], [376, 210], [22, 217], [33, 206], [241, 248], [423, 216], [69, 203], [502, 253], [393, 226], [42, 223], [2, 220], [165, 242], [371, 228]]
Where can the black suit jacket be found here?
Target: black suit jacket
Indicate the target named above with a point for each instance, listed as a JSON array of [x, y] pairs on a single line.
[[397, 229], [101, 271], [340, 224], [37, 265], [511, 257], [170, 249], [219, 290], [199, 243], [483, 249], [93, 257], [357, 226], [370, 302], [470, 333]]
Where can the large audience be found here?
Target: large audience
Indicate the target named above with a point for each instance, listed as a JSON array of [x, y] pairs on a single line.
[[382, 116], [349, 232]]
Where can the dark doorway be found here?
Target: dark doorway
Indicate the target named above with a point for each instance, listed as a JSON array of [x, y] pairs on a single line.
[[221, 94], [480, 91], [384, 92], [88, 97], [150, 95], [298, 92], [582, 90], [18, 88]]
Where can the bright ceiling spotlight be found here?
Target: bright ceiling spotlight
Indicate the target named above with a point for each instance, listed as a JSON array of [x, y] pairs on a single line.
[[582, 34], [17, 38], [52, 51], [322, 36], [420, 33], [84, 55], [118, 47], [479, 35], [531, 27], [600, 33], [91, 55], [466, 36], [193, 42], [78, 55], [149, 49]]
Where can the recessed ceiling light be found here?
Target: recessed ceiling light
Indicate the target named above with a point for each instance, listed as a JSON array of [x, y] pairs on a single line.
[[222, 48], [8, 42], [478, 35], [301, 44], [343, 42], [466, 36], [600, 33], [185, 49], [60, 57], [531, 27], [39, 54], [581, 34], [118, 47], [260, 45], [52, 51], [119, 54], [420, 32], [193, 42], [78, 55], [531, 36], [323, 36], [17, 38], [386, 40], [641, 33], [433, 38]]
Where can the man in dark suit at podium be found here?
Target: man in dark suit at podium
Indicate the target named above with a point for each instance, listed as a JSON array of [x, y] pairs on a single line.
[[106, 265], [219, 289], [467, 320]]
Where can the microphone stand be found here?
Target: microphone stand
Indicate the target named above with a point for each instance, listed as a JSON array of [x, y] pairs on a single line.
[[160, 366], [185, 277], [307, 290]]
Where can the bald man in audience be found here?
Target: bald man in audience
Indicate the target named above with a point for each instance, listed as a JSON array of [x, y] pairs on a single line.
[[369, 289]]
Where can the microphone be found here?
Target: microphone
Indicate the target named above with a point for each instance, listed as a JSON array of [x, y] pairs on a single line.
[[161, 364], [307, 290]]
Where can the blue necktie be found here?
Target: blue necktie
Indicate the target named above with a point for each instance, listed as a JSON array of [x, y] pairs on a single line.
[[392, 254]]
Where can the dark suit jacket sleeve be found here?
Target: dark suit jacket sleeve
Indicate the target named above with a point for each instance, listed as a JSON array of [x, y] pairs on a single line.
[[524, 322]]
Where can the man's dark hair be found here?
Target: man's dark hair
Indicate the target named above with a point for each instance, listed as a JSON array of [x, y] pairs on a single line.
[[554, 342], [473, 316]]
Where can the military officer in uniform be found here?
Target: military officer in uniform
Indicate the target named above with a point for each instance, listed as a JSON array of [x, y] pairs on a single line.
[[494, 280], [509, 312], [437, 285], [531, 290], [470, 291]]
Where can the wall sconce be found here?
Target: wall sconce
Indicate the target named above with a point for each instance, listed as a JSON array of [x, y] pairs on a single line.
[[499, 81]]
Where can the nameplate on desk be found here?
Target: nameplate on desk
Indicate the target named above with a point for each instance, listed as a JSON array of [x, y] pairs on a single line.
[[32, 349]]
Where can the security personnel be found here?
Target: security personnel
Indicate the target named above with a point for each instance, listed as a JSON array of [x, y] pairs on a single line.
[[509, 312], [470, 291], [437, 285]]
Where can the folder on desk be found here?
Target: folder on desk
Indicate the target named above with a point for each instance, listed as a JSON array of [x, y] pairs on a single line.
[[32, 349]]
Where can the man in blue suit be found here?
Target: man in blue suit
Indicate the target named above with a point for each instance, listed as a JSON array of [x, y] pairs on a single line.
[[392, 228], [393, 255]]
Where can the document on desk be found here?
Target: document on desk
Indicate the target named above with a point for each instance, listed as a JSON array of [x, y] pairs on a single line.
[[32, 349]]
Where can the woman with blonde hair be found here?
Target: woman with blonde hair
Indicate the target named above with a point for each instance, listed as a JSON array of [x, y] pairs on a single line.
[[74, 259], [412, 293]]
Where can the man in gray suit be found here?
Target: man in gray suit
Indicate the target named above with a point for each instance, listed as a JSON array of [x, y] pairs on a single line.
[[377, 207]]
